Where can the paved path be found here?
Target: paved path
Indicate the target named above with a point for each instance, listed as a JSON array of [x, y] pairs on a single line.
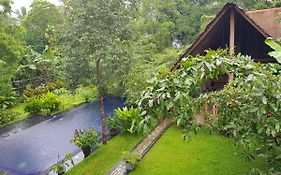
[[143, 146]]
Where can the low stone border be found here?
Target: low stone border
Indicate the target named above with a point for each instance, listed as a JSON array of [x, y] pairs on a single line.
[[143, 147]]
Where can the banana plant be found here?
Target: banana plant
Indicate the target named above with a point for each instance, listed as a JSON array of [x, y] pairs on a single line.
[[276, 46]]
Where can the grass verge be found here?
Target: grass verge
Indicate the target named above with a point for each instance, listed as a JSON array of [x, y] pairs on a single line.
[[204, 154], [106, 157], [68, 101]]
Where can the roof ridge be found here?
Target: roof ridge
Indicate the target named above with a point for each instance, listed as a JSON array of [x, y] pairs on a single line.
[[262, 10]]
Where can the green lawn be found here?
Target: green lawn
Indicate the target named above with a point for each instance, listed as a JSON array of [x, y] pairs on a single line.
[[204, 154], [68, 102], [106, 157]]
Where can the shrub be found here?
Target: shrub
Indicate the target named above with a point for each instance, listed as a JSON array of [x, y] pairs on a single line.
[[85, 138], [44, 104], [133, 158], [34, 105], [55, 85], [61, 91], [128, 119], [8, 100], [89, 94], [112, 123], [38, 91], [6, 117], [50, 103]]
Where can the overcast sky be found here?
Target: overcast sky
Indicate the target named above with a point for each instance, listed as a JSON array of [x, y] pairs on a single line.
[[26, 3]]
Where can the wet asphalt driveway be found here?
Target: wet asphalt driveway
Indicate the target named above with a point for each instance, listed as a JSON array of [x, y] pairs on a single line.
[[34, 149]]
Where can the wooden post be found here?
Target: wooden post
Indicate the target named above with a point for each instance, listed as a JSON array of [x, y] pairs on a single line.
[[231, 40], [232, 33]]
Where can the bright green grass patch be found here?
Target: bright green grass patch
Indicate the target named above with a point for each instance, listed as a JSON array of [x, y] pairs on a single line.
[[204, 154], [106, 157]]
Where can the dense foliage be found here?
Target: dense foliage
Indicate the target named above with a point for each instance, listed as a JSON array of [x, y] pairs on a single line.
[[126, 119], [248, 108], [85, 138], [44, 104]]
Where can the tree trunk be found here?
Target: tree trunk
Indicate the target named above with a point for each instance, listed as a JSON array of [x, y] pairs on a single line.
[[102, 121], [100, 91]]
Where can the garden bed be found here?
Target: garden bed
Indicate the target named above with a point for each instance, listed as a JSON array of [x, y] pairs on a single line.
[[68, 102], [203, 154]]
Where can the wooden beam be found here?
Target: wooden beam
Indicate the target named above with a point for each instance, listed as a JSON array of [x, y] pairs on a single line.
[[231, 39], [232, 31]]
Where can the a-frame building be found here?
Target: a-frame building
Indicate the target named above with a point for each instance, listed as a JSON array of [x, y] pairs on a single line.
[[234, 28]]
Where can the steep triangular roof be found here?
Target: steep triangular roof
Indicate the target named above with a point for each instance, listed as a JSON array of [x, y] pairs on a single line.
[[268, 20], [228, 8]]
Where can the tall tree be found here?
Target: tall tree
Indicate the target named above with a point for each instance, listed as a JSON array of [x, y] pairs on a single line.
[[37, 20], [96, 44], [11, 48]]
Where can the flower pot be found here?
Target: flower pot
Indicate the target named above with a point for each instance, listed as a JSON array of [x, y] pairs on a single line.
[[113, 132], [86, 151], [61, 173], [130, 167]]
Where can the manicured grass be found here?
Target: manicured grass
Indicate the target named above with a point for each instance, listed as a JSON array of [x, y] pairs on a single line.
[[204, 154], [106, 157], [68, 101]]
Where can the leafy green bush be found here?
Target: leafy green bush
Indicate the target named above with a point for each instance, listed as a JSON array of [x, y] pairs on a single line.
[[34, 105], [90, 94], [85, 138], [61, 91], [55, 85], [128, 119], [50, 103], [8, 100], [113, 123], [38, 91], [44, 104], [132, 158], [6, 117]]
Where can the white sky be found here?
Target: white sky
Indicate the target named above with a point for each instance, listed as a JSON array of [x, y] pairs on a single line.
[[26, 3]]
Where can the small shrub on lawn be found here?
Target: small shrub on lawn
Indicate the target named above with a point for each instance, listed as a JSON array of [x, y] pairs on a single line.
[[34, 105], [44, 104], [6, 117]]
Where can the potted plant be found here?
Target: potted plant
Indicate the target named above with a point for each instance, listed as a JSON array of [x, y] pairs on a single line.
[[85, 139], [58, 168], [113, 126], [132, 160]]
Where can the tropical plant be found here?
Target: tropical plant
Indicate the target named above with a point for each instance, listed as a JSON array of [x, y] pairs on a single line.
[[276, 46], [129, 119]]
